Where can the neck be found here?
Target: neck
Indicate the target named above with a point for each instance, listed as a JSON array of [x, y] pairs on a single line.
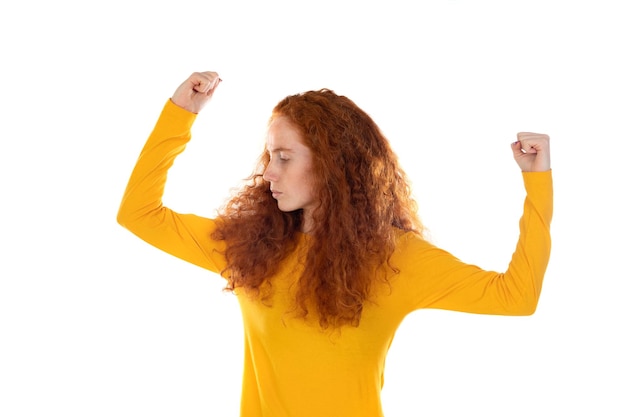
[[307, 222]]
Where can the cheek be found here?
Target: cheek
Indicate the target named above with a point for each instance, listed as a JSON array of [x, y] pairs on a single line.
[[308, 182]]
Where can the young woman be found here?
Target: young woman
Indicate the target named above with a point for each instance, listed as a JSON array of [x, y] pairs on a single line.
[[323, 248]]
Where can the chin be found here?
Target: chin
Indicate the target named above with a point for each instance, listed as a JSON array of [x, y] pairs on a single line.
[[285, 208]]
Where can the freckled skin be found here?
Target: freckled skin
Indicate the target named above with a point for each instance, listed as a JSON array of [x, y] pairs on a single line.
[[290, 169]]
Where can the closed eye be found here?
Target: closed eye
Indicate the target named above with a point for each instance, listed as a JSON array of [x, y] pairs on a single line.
[[280, 154]]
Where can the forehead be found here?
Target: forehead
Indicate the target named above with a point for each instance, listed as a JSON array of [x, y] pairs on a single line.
[[283, 134]]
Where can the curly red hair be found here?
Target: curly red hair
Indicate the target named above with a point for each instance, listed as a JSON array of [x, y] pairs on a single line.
[[365, 198]]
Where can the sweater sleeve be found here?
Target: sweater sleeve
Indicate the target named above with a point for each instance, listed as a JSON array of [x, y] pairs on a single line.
[[433, 278], [185, 236]]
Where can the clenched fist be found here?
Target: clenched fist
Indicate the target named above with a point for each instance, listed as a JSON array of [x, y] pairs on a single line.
[[532, 151], [196, 91]]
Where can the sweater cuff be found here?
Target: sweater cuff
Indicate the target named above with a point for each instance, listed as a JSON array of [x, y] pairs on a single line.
[[537, 179], [174, 120], [539, 189]]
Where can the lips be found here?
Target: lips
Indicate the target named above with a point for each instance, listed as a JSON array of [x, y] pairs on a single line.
[[276, 194]]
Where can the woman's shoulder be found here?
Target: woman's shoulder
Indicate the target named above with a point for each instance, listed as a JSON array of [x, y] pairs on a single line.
[[408, 242], [409, 237]]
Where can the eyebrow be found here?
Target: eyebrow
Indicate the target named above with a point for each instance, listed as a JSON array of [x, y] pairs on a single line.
[[281, 149]]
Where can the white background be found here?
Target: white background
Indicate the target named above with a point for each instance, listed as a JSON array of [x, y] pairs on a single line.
[[94, 322]]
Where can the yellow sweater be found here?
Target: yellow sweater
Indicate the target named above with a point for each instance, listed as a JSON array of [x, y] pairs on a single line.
[[291, 366]]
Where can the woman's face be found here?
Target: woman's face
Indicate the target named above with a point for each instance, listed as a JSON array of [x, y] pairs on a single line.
[[290, 169]]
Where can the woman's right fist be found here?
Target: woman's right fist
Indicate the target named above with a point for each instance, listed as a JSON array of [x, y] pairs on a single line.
[[196, 91]]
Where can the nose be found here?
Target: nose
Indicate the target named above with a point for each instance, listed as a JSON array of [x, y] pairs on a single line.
[[269, 174]]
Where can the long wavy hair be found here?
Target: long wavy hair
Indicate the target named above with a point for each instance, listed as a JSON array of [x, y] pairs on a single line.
[[365, 199]]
